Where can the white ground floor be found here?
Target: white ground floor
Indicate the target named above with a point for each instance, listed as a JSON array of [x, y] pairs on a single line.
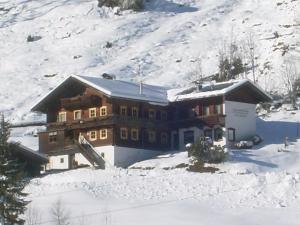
[[113, 156]]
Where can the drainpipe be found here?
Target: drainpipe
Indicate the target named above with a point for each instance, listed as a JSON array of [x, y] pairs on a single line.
[[141, 88]]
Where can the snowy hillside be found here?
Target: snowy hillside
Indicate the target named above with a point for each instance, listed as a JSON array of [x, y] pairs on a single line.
[[255, 186], [167, 38]]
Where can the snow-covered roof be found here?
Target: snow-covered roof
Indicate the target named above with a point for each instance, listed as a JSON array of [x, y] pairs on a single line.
[[117, 88], [210, 90], [157, 95], [125, 89]]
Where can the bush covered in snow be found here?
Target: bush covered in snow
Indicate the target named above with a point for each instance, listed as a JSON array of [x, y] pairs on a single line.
[[203, 150], [135, 5]]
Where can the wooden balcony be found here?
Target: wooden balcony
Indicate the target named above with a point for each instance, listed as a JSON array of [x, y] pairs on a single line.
[[107, 121], [80, 102], [199, 121]]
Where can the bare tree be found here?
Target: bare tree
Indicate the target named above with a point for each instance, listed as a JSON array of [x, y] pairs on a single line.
[[290, 78], [33, 216], [59, 213]]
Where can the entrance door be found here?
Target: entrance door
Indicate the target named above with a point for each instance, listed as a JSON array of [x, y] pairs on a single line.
[[175, 141], [188, 137]]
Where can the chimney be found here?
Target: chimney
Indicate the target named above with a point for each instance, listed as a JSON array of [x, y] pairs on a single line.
[[141, 88]]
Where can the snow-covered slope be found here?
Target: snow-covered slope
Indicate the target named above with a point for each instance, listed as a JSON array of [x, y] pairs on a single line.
[[166, 39]]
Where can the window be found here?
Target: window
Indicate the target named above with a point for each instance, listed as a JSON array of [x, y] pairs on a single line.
[[77, 114], [135, 112], [164, 116], [188, 137], [206, 110], [158, 115], [62, 117], [208, 133], [93, 135], [218, 134], [123, 111], [123, 133], [231, 134], [151, 136], [218, 109], [103, 134], [164, 138], [103, 111], [151, 114], [52, 137], [62, 160], [134, 134], [92, 112]]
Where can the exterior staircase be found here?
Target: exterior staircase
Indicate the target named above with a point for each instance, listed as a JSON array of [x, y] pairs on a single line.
[[88, 151]]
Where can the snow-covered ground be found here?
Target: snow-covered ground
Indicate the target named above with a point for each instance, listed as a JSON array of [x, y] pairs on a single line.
[[256, 186], [166, 38]]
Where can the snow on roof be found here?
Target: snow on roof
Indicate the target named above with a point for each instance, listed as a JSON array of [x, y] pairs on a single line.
[[129, 90], [157, 95], [208, 90]]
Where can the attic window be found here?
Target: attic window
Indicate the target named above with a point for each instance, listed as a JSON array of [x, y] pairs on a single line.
[[135, 112], [151, 114], [218, 109], [103, 111], [77, 115], [123, 110], [62, 117], [206, 111], [92, 112]]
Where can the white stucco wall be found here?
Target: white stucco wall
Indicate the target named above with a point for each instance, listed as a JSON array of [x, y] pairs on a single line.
[[109, 153], [56, 164], [241, 117], [126, 156], [81, 160]]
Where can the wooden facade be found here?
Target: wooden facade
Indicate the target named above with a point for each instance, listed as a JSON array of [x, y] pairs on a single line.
[[76, 108]]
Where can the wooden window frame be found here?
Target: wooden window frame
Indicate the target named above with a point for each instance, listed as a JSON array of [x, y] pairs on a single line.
[[105, 110], [134, 108], [233, 134], [74, 113], [153, 135], [105, 136], [65, 115], [154, 114], [218, 107], [206, 110], [137, 134], [52, 137], [164, 136], [92, 110], [90, 135], [126, 132], [125, 108]]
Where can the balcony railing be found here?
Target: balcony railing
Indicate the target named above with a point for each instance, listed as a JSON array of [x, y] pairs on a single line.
[[107, 120]]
